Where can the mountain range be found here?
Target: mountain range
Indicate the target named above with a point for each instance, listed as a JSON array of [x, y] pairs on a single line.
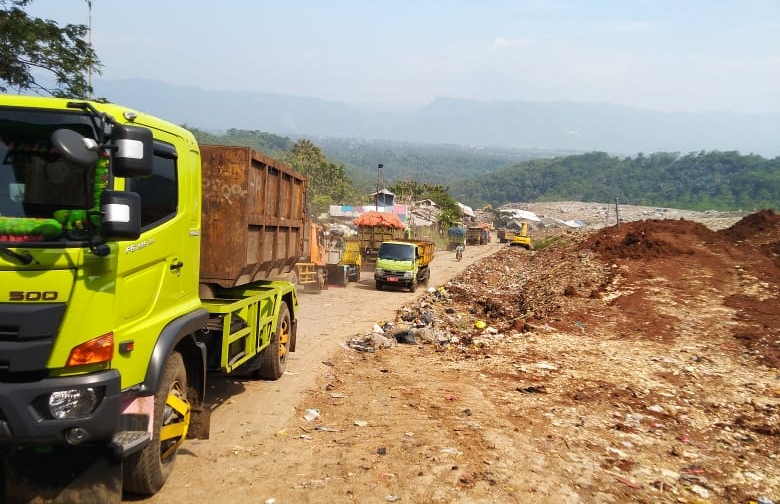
[[551, 126]]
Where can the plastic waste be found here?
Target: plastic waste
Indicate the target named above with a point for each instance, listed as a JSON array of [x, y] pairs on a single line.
[[311, 414]]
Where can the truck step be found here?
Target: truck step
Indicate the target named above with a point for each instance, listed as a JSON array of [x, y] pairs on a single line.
[[127, 442]]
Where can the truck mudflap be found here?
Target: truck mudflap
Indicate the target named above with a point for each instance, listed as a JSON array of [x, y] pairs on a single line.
[[63, 475]]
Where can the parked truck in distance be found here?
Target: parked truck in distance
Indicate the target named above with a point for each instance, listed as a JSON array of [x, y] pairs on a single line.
[[312, 266], [475, 235], [343, 257], [456, 235], [133, 263], [403, 263]]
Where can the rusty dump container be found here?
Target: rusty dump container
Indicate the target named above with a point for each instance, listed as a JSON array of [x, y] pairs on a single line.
[[253, 216], [371, 237]]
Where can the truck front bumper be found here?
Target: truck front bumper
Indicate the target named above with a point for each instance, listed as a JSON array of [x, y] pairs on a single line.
[[387, 277], [25, 418]]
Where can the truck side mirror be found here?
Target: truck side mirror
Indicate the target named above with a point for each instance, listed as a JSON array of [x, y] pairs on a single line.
[[121, 215], [74, 147], [134, 154]]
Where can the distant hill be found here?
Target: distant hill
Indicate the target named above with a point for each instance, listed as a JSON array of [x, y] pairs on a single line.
[[551, 126]]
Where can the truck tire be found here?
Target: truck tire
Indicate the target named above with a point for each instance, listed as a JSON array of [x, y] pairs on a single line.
[[378, 285], [273, 358], [146, 470], [344, 277], [412, 286]]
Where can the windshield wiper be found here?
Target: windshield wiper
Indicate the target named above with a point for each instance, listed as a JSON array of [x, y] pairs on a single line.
[[24, 258]]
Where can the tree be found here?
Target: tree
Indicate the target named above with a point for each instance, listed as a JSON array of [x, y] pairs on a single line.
[[32, 46], [449, 211], [328, 182]]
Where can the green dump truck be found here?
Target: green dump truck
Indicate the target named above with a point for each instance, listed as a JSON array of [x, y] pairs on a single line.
[[133, 264], [403, 263]]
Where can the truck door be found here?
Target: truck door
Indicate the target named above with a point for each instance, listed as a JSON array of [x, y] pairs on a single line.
[[160, 268]]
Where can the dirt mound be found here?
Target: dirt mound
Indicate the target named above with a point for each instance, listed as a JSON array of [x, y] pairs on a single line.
[[651, 239], [645, 269], [761, 230], [765, 223]]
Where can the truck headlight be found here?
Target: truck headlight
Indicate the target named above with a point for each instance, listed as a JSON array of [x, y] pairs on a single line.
[[408, 275], [378, 271], [73, 403]]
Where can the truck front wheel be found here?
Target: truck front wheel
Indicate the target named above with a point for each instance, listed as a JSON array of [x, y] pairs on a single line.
[[273, 359], [145, 471]]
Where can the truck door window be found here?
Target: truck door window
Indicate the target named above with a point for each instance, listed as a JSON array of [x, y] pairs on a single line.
[[159, 191]]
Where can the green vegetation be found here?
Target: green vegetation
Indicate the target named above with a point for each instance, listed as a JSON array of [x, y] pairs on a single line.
[[32, 44], [328, 182], [269, 144], [696, 181]]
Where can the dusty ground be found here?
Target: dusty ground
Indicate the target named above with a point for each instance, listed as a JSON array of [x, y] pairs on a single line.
[[630, 364]]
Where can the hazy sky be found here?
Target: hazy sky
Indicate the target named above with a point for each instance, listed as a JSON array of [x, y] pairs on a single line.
[[670, 55]]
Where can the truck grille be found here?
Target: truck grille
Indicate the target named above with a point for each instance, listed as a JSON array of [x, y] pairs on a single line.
[[27, 332]]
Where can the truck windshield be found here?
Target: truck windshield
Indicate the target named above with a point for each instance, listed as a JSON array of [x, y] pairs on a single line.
[[43, 197], [396, 252]]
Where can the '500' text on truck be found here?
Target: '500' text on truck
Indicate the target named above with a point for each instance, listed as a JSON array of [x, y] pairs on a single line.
[[133, 262]]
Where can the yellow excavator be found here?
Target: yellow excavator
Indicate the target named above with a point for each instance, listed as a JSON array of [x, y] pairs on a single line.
[[521, 239]]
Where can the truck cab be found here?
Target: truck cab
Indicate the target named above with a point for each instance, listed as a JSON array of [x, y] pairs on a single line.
[[403, 263]]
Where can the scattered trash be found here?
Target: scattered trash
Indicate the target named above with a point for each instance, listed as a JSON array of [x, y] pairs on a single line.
[[381, 450], [405, 337], [629, 483], [700, 491], [479, 324], [391, 498], [311, 414], [533, 389], [361, 423], [450, 397], [325, 428], [449, 450]]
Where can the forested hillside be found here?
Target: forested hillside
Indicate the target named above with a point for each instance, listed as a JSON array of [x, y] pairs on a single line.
[[478, 176], [695, 181], [423, 163], [269, 144]]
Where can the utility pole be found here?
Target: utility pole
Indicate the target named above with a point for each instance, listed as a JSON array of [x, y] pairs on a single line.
[[378, 179]]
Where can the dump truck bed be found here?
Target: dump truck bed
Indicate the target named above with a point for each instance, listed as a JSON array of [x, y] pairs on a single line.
[[253, 218]]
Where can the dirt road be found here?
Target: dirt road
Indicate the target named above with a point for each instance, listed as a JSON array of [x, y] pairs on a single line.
[[631, 364], [235, 464]]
